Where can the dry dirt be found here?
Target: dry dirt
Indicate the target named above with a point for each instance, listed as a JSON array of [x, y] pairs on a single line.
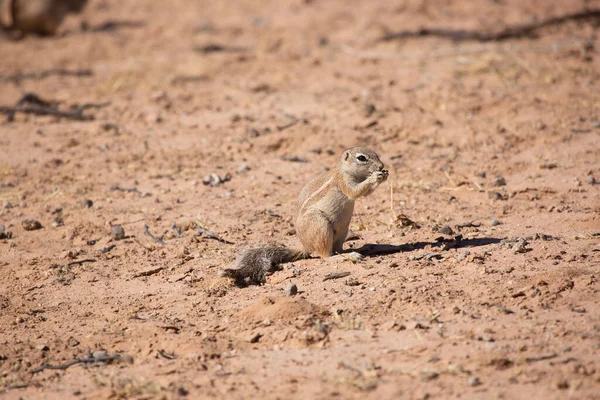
[[471, 132]]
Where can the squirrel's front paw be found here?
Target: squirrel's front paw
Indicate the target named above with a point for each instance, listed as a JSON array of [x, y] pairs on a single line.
[[380, 176]]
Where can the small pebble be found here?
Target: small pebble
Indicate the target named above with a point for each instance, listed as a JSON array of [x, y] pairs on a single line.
[[446, 230], [117, 232], [499, 181], [99, 354], [31, 224], [291, 289], [591, 180], [564, 384], [242, 168], [495, 222], [85, 203], [495, 196], [4, 234], [255, 337], [429, 375], [474, 381], [368, 110], [519, 248], [487, 337]]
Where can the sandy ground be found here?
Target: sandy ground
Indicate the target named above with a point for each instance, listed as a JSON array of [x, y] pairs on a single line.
[[497, 142]]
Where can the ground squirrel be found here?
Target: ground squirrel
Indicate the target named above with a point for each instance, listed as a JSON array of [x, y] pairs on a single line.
[[325, 208], [42, 17]]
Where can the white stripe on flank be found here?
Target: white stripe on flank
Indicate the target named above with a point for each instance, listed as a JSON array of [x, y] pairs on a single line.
[[323, 187]]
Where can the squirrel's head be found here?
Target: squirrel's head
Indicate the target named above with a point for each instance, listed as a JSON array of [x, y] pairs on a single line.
[[360, 163]]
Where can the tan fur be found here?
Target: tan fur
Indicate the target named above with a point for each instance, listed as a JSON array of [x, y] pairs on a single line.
[[325, 207], [42, 17]]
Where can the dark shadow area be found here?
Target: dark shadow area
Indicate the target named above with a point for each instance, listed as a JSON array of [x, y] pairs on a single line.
[[111, 26], [513, 32], [374, 250]]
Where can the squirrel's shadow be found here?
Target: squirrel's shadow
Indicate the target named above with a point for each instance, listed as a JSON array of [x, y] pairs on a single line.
[[376, 250]]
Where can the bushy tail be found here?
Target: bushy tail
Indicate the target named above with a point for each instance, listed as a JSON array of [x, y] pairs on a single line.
[[253, 265]]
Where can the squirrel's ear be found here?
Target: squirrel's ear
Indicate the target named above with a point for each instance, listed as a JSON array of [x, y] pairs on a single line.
[[346, 154]]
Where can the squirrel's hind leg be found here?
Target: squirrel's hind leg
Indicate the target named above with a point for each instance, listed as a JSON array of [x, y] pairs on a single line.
[[315, 233]]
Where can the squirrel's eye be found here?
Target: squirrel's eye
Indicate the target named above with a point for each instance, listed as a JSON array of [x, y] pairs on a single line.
[[361, 158]]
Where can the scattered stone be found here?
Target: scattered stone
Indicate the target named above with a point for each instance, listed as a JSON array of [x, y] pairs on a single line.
[[548, 165], [4, 234], [351, 282], [58, 221], [100, 354], [31, 225], [487, 337], [85, 203], [495, 195], [499, 181], [215, 180], [429, 375], [368, 110], [481, 174], [543, 236], [291, 289], [519, 248], [446, 230], [255, 337], [393, 325], [117, 232], [393, 265], [495, 222], [418, 325], [501, 363], [474, 381], [591, 180], [464, 255], [243, 168], [563, 384]]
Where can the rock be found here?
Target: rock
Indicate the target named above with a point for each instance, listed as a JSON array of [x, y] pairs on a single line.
[[519, 247], [487, 337], [591, 180], [563, 384], [495, 222], [464, 255], [446, 230], [215, 180], [117, 232], [495, 195], [85, 203], [291, 289], [499, 181], [242, 168], [429, 375], [368, 110], [351, 282], [31, 225], [255, 337], [4, 234], [474, 381], [100, 354]]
